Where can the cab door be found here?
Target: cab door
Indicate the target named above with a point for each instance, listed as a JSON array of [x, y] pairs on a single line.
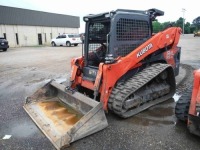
[[58, 40], [63, 40]]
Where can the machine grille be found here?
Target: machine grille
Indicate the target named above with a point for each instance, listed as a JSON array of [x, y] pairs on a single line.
[[130, 33]]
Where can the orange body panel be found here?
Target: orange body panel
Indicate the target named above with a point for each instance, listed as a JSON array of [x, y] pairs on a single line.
[[169, 56], [111, 73], [195, 93]]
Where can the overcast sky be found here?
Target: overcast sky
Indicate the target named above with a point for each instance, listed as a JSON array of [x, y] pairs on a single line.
[[172, 8]]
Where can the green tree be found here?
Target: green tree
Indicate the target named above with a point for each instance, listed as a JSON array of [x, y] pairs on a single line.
[[192, 28], [167, 24], [157, 27], [179, 22], [188, 28], [196, 23]]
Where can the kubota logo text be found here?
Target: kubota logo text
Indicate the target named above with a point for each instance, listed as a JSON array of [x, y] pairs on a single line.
[[144, 50]]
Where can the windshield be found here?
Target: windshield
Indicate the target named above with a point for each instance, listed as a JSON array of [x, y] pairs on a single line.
[[97, 35], [73, 36], [96, 44]]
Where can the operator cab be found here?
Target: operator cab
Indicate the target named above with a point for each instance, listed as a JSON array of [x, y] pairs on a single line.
[[114, 34]]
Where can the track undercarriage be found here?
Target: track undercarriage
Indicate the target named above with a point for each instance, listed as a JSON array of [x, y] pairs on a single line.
[[153, 85]]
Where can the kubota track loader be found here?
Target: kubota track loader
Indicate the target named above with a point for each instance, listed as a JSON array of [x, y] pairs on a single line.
[[188, 106], [125, 68]]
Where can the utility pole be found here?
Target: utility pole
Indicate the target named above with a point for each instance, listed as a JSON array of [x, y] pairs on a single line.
[[183, 10]]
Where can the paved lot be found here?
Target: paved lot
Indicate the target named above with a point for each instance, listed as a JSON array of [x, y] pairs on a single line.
[[23, 70]]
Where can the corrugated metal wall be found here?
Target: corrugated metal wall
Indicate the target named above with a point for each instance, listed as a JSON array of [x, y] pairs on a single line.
[[18, 16]]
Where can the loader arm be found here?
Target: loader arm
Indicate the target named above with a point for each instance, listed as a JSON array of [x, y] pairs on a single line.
[[161, 40]]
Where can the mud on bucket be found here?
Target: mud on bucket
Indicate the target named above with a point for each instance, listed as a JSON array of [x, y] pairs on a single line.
[[64, 117]]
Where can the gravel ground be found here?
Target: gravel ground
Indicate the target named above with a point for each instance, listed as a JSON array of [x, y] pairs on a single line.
[[23, 70]]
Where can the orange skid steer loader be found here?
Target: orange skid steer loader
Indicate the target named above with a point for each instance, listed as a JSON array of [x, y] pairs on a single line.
[[188, 106], [124, 68]]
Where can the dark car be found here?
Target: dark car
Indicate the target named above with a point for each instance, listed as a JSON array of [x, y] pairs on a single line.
[[3, 44]]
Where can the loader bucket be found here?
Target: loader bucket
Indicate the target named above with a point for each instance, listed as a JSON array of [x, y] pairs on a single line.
[[64, 116]]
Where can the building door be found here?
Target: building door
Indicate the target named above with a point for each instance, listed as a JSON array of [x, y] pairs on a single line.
[[4, 35], [40, 39], [17, 39]]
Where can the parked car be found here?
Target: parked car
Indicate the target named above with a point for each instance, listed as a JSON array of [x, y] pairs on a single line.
[[66, 39], [3, 44], [197, 33]]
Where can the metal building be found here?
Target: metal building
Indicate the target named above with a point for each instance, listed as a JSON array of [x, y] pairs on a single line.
[[23, 27]]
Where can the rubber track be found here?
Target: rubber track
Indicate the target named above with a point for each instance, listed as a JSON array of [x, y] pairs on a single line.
[[187, 81], [123, 90], [182, 105]]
